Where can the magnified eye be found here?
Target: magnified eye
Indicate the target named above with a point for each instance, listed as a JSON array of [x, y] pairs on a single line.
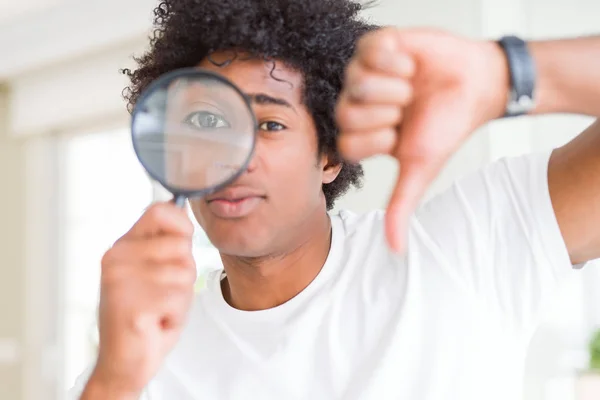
[[207, 120]]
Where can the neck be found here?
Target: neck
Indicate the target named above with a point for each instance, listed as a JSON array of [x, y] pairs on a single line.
[[266, 282]]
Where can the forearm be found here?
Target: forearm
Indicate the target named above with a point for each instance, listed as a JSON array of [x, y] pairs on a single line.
[[568, 75]]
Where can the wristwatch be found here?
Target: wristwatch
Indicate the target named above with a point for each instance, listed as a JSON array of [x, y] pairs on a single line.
[[521, 99]]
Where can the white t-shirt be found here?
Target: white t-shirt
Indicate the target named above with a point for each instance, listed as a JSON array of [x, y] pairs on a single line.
[[450, 319]]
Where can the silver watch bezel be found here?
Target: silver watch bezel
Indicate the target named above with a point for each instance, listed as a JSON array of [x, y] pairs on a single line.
[[519, 105]]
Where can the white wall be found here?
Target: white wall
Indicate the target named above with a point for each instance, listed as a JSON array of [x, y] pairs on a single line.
[[12, 213], [85, 92]]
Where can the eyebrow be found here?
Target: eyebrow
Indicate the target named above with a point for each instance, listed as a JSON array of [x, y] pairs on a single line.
[[265, 99]]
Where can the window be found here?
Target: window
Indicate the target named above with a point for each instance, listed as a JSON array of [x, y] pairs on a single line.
[[105, 192]]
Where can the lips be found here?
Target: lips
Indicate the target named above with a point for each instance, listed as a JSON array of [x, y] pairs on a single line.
[[235, 202]]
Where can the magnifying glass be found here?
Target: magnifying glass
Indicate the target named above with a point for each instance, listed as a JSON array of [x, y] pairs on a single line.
[[194, 132]]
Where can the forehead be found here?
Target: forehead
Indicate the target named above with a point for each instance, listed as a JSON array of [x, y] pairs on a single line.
[[253, 75]]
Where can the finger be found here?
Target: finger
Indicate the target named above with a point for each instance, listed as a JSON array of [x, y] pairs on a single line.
[[162, 218], [138, 292], [361, 117], [379, 51], [169, 275], [166, 307], [368, 87], [155, 251], [414, 178], [357, 146]]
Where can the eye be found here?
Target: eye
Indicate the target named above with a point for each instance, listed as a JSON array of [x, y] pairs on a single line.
[[271, 126], [207, 120]]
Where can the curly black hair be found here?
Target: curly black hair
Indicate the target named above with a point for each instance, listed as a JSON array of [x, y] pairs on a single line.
[[315, 37]]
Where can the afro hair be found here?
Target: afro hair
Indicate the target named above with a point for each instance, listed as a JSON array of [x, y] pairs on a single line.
[[314, 37]]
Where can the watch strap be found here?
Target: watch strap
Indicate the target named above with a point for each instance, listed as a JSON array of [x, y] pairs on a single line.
[[522, 76]]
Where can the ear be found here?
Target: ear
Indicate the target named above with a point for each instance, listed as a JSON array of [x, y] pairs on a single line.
[[331, 170]]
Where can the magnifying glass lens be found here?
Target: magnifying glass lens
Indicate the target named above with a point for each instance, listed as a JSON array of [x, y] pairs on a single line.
[[194, 132]]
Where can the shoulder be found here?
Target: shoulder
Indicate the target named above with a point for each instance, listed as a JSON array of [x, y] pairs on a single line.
[[359, 241], [491, 193], [358, 234], [351, 222], [457, 218]]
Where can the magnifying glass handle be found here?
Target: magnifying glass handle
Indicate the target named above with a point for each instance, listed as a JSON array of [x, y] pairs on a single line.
[[179, 200]]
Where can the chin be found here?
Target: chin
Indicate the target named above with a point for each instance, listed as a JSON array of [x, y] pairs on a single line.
[[240, 241], [241, 249], [250, 236]]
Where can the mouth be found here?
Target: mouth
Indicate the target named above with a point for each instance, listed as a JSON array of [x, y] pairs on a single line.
[[234, 203]]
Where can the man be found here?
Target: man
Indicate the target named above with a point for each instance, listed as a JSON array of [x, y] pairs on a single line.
[[319, 306]]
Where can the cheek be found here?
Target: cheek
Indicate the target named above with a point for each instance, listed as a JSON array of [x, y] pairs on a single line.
[[293, 171], [199, 209]]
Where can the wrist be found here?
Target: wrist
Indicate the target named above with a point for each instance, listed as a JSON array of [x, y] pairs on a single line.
[[550, 98], [568, 75], [497, 84], [100, 388]]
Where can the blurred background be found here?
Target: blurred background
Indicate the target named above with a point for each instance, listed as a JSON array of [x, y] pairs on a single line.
[[71, 184]]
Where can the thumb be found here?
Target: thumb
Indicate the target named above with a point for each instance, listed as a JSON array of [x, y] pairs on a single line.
[[415, 176]]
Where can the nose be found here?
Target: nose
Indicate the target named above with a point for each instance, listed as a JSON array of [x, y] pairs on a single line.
[[254, 161]]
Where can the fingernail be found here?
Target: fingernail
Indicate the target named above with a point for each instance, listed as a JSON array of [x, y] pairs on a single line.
[[399, 247], [396, 247]]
